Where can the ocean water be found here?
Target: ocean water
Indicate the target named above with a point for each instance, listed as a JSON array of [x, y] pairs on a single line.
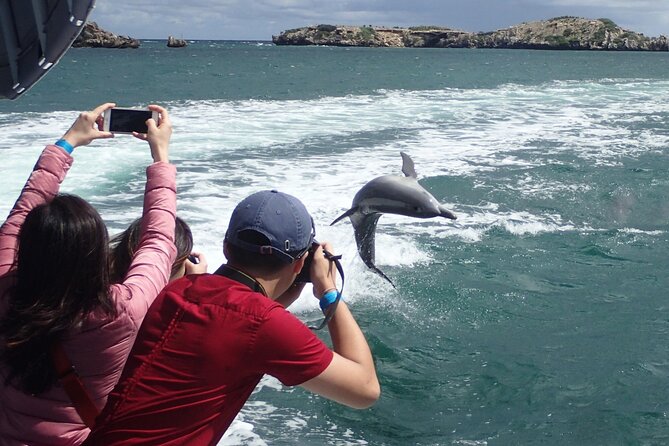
[[540, 316]]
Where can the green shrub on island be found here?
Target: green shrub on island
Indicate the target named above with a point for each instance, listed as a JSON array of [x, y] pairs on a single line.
[[559, 41], [367, 33], [425, 28], [561, 18], [609, 24]]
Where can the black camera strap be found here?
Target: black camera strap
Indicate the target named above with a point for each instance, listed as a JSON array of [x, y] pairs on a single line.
[[241, 277], [330, 310]]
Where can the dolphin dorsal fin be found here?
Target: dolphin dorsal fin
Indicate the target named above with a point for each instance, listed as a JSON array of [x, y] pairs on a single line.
[[407, 166]]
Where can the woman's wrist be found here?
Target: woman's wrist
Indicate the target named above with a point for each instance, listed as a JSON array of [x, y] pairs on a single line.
[[160, 155], [71, 138], [65, 145]]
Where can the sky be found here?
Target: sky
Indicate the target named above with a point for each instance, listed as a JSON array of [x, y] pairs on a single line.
[[259, 20]]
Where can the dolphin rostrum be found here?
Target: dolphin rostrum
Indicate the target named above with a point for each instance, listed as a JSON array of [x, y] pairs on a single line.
[[389, 194]]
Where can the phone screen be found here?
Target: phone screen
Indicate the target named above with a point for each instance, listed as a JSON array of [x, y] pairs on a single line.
[[124, 120]]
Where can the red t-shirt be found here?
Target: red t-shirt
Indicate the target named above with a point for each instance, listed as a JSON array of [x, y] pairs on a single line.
[[202, 348]]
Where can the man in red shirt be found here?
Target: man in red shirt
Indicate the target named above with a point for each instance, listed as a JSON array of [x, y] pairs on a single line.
[[208, 339]]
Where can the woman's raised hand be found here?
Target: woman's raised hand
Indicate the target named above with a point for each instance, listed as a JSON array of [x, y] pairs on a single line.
[[196, 268], [88, 127], [158, 136]]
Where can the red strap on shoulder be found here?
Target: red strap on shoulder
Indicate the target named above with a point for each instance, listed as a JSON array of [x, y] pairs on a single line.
[[73, 386]]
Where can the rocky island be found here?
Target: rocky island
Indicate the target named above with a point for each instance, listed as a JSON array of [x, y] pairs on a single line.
[[92, 36], [560, 33], [173, 42]]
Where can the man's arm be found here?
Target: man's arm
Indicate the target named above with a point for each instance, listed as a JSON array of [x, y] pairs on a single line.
[[350, 378], [290, 295]]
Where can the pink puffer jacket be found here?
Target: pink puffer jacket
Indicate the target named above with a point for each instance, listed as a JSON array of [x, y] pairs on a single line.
[[99, 350]]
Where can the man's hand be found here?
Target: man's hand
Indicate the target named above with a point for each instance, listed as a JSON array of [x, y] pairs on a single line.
[[323, 271]]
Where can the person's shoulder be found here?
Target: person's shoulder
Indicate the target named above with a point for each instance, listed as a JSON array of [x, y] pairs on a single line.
[[196, 285], [219, 290]]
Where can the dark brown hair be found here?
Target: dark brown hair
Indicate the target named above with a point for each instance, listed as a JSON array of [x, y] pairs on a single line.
[[125, 244], [254, 261], [62, 275]]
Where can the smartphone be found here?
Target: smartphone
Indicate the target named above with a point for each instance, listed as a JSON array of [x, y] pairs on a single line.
[[127, 120]]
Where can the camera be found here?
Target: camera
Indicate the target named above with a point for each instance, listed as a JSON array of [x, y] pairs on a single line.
[[305, 274], [127, 120]]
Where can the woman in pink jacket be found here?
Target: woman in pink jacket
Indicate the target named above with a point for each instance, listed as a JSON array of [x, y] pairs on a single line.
[[55, 289]]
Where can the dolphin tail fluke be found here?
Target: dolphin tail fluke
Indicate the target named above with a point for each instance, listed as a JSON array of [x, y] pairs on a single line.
[[345, 214], [380, 273], [446, 213], [364, 227]]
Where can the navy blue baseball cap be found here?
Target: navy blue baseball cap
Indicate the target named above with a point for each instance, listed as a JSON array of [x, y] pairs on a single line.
[[280, 217]]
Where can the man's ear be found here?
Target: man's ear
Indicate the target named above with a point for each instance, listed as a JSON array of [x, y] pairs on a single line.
[[225, 250], [299, 263]]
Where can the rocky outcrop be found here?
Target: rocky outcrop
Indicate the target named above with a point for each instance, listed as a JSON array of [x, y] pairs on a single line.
[[92, 36], [561, 33], [173, 42]]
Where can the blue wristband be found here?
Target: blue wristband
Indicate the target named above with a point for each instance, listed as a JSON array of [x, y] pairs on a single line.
[[65, 145], [328, 299]]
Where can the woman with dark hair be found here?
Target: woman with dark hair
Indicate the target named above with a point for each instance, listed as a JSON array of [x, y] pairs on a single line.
[[124, 246], [60, 318]]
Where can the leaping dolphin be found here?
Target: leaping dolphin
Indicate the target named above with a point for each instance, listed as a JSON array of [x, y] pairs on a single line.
[[389, 194]]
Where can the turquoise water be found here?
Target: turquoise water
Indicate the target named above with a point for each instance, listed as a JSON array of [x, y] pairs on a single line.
[[539, 317]]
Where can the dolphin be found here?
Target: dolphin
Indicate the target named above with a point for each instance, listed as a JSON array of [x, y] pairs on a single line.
[[389, 194]]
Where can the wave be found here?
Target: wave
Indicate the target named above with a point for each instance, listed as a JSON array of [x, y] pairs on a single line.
[[324, 150]]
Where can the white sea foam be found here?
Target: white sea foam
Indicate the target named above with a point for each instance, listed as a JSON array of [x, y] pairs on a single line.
[[241, 432], [640, 231]]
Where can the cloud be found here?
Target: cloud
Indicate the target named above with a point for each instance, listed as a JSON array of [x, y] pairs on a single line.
[[236, 19], [625, 4]]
